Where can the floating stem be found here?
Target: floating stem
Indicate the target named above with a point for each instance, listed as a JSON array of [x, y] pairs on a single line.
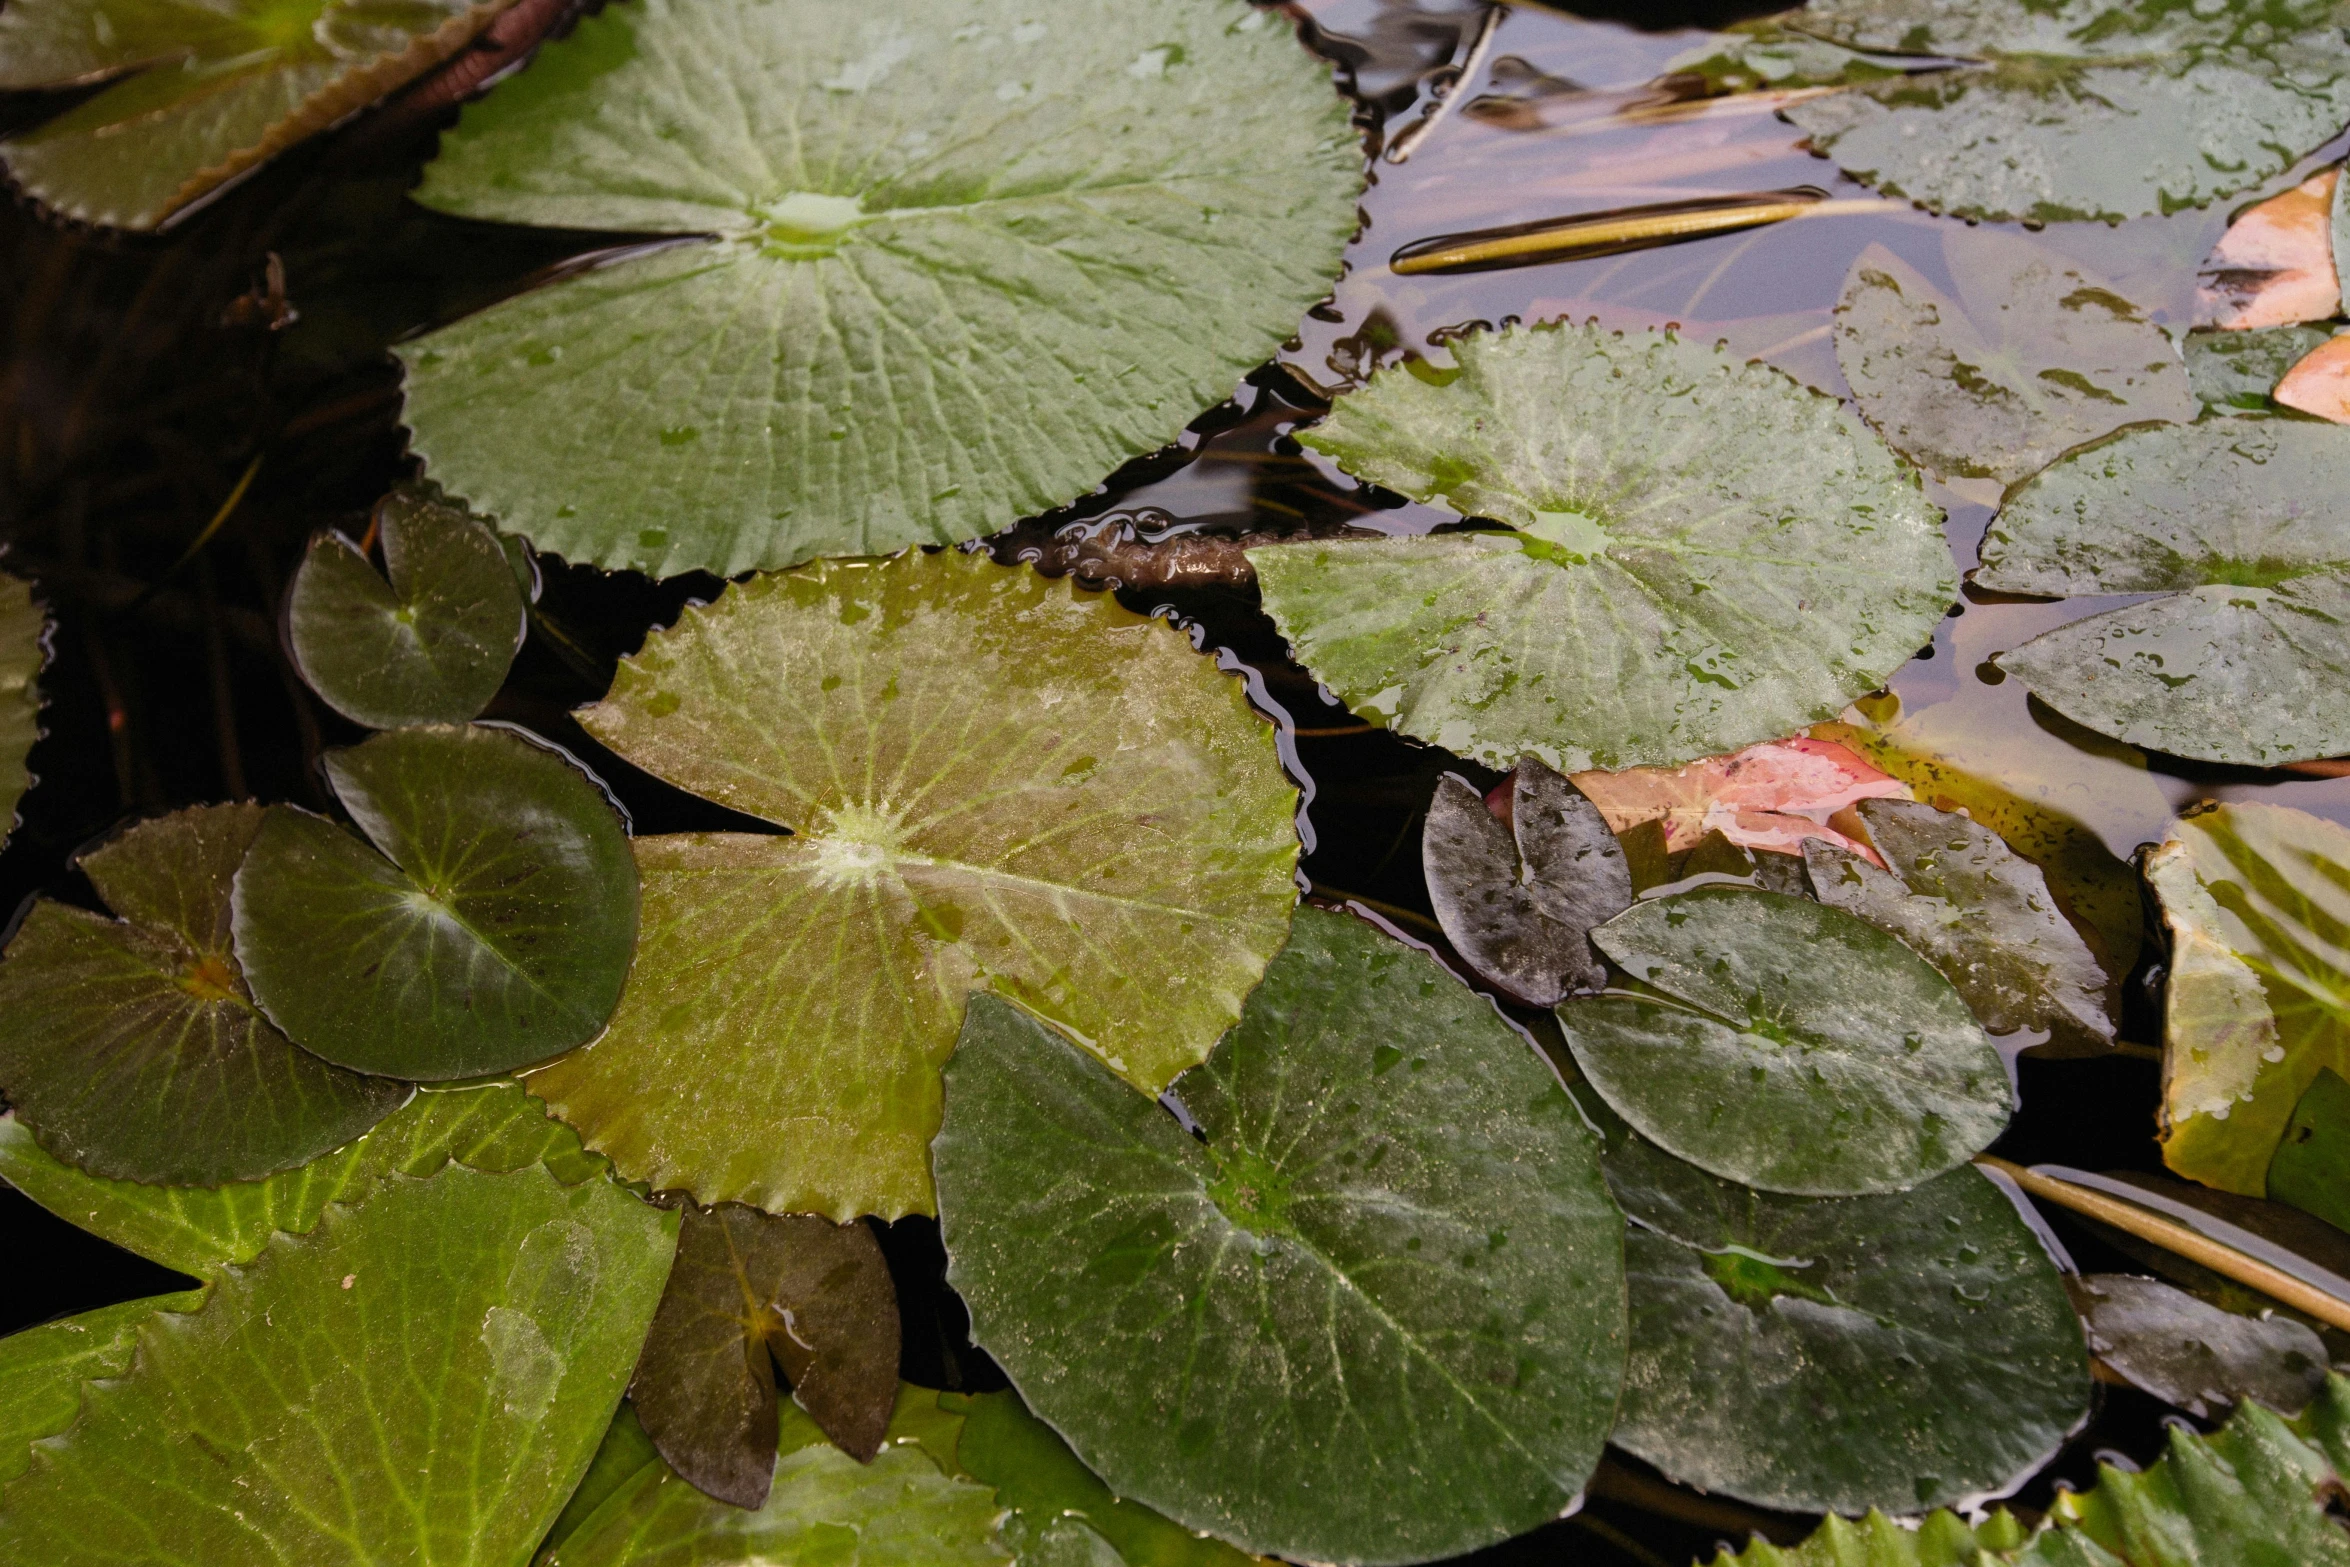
[[1602, 234]]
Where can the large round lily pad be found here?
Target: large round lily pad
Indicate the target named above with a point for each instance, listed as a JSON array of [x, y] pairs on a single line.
[[484, 921], [1699, 554], [1371, 1314], [993, 782], [963, 260], [1787, 1045], [24, 648], [132, 1047], [2240, 522]]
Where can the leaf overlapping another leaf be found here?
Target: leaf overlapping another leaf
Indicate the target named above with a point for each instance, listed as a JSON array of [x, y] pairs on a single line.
[[24, 649], [2311, 1168], [2193, 1355], [42, 1370]]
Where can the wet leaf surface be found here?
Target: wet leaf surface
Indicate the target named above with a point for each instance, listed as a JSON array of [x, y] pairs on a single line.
[[1777, 796], [197, 95], [2229, 518], [24, 649], [42, 1370], [993, 783], [2275, 264], [979, 256], [2033, 356], [484, 921], [1980, 913], [2311, 1169], [750, 1292], [433, 644], [1393, 1242], [1518, 902], [1786, 1045], [1699, 554], [2194, 1356], [2236, 372], [427, 1375], [131, 1046]]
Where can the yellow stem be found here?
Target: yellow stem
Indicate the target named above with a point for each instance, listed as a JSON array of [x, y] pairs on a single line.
[[1590, 236]]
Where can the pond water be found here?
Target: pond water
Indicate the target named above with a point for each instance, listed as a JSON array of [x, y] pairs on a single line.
[[140, 379]]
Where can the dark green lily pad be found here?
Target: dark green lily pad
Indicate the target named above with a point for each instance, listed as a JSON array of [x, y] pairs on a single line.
[[2234, 372], [430, 646], [484, 922], [1699, 554], [2080, 109], [1960, 898], [24, 649], [959, 260], [2195, 1356], [1787, 1045], [2234, 519], [1518, 902], [131, 1046], [1898, 1351], [751, 1290], [2033, 357], [2311, 1168], [1373, 1317], [42, 1370]]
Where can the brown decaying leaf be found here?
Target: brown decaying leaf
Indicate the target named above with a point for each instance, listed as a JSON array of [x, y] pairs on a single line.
[[2320, 383], [1771, 796], [813, 1295], [2275, 264]]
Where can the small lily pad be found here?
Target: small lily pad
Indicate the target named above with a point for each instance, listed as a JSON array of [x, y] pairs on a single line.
[[750, 1290], [2235, 521], [2311, 1169], [2033, 357], [431, 645], [993, 782], [1960, 898], [2236, 372], [131, 1046], [1518, 902], [2194, 1356], [484, 921], [1391, 1226], [24, 649], [1787, 1045], [42, 1370], [1698, 554]]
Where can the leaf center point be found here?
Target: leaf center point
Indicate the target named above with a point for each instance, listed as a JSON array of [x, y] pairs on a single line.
[[807, 224], [857, 844], [1251, 1191], [209, 979], [1572, 538]]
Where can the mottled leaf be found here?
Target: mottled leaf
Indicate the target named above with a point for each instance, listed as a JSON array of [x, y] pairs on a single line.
[[2032, 357], [431, 645], [1698, 554], [2311, 1167], [2195, 1356], [1518, 902], [750, 1291], [993, 782], [484, 921], [2236, 372], [1778, 795], [42, 1370], [2275, 264], [131, 1046], [1371, 1314]]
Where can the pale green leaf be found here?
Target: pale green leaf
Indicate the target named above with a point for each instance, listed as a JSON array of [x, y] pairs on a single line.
[[624, 1450], [24, 649], [42, 1369], [2311, 1169]]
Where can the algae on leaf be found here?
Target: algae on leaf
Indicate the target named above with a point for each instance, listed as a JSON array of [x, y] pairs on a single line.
[[1373, 1313], [198, 94], [959, 262], [1698, 554], [2237, 372], [24, 648], [993, 782]]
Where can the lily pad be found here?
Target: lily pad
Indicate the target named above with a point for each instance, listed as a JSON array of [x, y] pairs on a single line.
[[24, 649], [993, 782], [422, 1378], [1787, 1045], [197, 95], [749, 1291], [430, 646], [2236, 372], [1899, 1351], [2032, 358], [42, 1370], [1699, 554], [2311, 1169], [1371, 1314], [1518, 902], [2080, 109], [131, 1046], [1979, 912], [624, 1450], [484, 921], [2235, 521], [2257, 898], [2194, 1356], [959, 263]]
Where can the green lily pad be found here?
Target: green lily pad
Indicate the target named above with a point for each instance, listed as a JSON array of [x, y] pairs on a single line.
[[2032, 358], [2256, 1006], [2193, 1355], [131, 1046], [1787, 1045], [42, 1370], [624, 1450], [2311, 1168], [484, 921], [24, 649], [2234, 372], [423, 1378], [1898, 1351], [200, 94], [1960, 898], [960, 263], [1699, 554], [1393, 1228], [430, 646], [1940, 1539], [750, 1291], [2234, 520], [2080, 109], [993, 782]]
